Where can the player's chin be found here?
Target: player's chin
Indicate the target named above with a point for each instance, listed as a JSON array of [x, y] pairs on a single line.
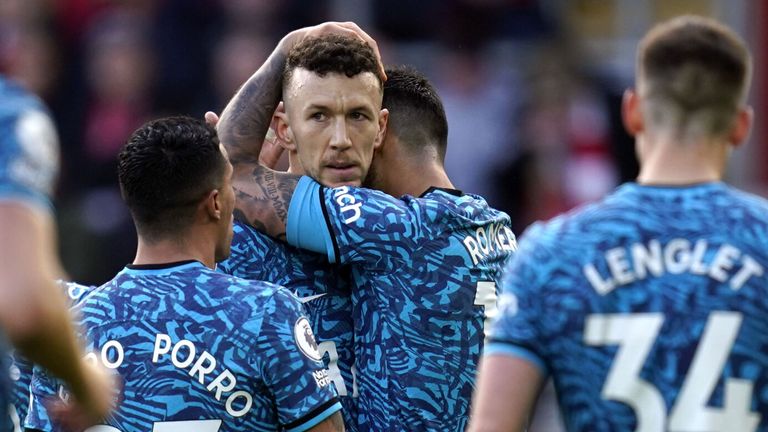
[[342, 177]]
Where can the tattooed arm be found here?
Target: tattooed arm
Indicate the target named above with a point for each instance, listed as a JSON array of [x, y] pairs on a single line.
[[263, 195]]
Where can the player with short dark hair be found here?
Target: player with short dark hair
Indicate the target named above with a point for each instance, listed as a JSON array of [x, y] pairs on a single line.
[[424, 283], [647, 308], [195, 349]]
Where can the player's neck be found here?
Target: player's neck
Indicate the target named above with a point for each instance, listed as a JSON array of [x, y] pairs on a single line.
[[413, 178], [670, 163], [294, 165], [168, 251]]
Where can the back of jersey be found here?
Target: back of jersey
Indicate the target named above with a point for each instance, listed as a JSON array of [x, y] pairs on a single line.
[[648, 309], [200, 350], [322, 288], [425, 274]]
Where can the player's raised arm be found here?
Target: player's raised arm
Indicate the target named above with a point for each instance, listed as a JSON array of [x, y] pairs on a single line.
[[263, 195]]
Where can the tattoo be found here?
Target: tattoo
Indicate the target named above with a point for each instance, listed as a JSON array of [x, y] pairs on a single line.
[[279, 201], [262, 200], [245, 120], [262, 195]]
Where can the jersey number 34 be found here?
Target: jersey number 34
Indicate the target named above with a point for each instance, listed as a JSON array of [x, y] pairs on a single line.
[[635, 335]]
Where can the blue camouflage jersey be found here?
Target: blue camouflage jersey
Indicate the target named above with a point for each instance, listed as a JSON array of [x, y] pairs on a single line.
[[199, 350], [29, 148], [322, 288], [425, 273], [21, 368], [648, 309], [29, 163]]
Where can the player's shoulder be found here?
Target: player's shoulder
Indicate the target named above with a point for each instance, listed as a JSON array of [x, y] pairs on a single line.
[[182, 281], [74, 291], [252, 251], [749, 202], [20, 107], [455, 207], [243, 288], [17, 100], [256, 292], [29, 149]]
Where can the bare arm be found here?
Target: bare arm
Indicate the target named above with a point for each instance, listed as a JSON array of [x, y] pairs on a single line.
[[263, 195], [507, 389], [334, 423], [33, 310]]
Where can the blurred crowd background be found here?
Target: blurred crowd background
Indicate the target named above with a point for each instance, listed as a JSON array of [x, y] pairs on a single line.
[[532, 89]]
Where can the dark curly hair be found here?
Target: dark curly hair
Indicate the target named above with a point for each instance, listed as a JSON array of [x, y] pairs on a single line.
[[332, 54], [165, 169], [416, 113]]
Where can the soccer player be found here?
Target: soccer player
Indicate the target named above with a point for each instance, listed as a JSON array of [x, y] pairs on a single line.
[[648, 308], [322, 287], [425, 265], [196, 349], [33, 314]]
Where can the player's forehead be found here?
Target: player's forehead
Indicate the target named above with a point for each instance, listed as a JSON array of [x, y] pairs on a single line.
[[307, 89]]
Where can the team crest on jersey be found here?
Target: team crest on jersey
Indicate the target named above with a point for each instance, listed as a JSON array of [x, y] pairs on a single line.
[[305, 339]]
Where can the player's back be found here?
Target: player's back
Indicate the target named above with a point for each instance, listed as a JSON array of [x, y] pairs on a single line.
[[204, 350], [649, 309], [422, 297]]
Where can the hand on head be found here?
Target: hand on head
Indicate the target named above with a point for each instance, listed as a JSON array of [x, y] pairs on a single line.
[[271, 149], [348, 28]]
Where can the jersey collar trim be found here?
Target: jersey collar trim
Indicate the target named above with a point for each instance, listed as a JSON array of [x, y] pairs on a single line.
[[162, 266], [431, 189]]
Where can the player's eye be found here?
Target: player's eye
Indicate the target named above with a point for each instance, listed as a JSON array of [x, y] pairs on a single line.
[[357, 115], [317, 116]]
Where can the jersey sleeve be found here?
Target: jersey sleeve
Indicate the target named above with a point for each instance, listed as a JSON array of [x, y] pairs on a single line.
[[518, 331], [350, 224], [292, 367], [29, 157]]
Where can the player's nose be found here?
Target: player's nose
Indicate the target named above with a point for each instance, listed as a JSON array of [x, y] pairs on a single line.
[[340, 139]]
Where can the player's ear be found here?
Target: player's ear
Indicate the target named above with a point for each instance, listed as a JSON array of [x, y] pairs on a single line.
[[212, 204], [383, 117], [630, 112], [283, 130], [741, 126]]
